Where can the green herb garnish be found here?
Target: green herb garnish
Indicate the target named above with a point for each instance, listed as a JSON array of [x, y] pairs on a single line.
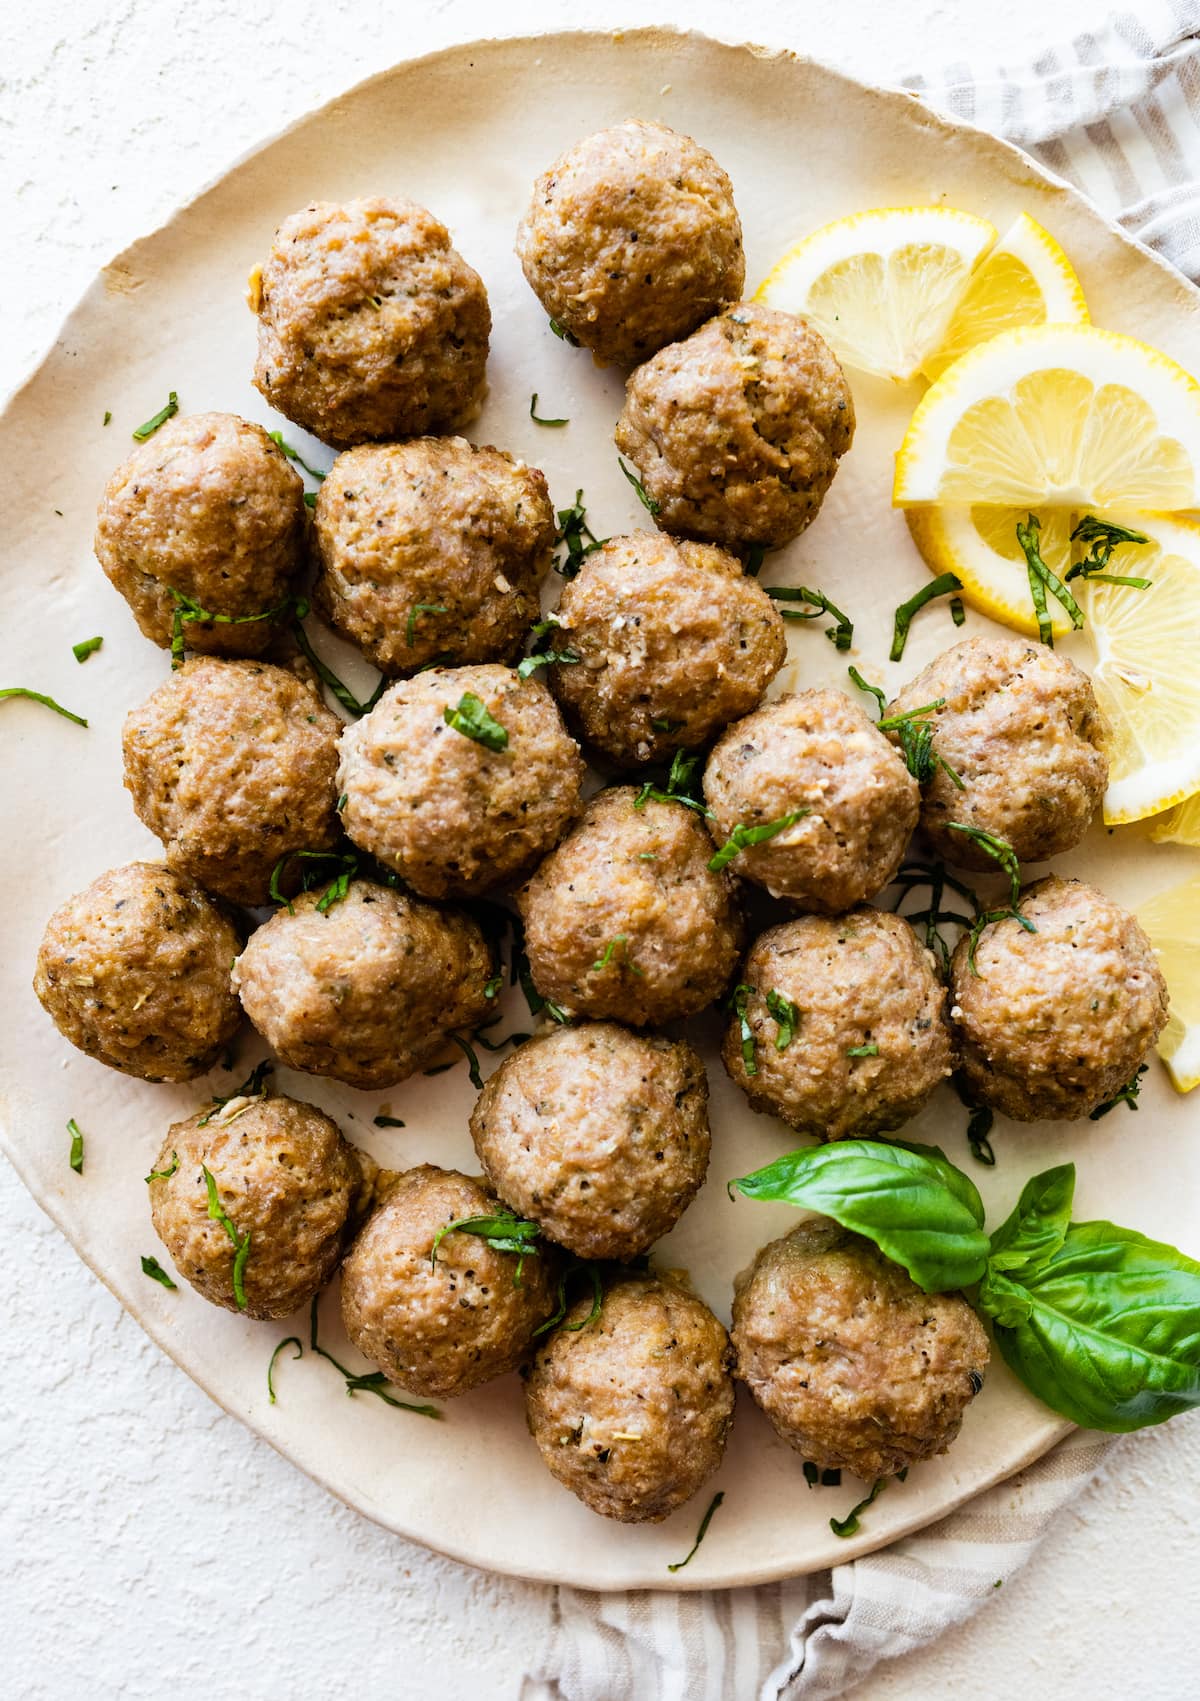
[[701, 1532], [164, 1174], [188, 612], [239, 1241], [577, 1267], [368, 1382], [850, 1524], [294, 455], [681, 784], [288, 1341], [346, 864], [957, 612], [533, 413], [1002, 852], [603, 962], [743, 837], [471, 716], [840, 635], [562, 333], [577, 539], [37, 697], [787, 1018], [1043, 579], [85, 648], [253, 1087], [504, 1232], [1103, 537], [870, 1049], [643, 495], [76, 1157], [414, 614], [160, 418], [1128, 1095], [328, 677], [472, 1061], [916, 743], [152, 1268], [736, 1003], [755, 556], [107, 420], [879, 695], [546, 658], [939, 587], [933, 874], [388, 1122]]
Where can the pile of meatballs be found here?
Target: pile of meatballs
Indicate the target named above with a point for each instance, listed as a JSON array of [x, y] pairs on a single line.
[[467, 777]]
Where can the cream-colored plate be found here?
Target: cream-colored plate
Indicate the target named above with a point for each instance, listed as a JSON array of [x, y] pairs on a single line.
[[465, 132]]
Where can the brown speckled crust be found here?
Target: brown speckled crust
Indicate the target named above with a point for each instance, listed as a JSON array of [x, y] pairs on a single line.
[[860, 979], [813, 750], [134, 970], [440, 524], [632, 239], [232, 764], [437, 1329], [736, 432], [370, 325], [1022, 729], [856, 1368], [631, 1412], [1056, 1021], [641, 873], [367, 992], [210, 507], [450, 815], [598, 1134], [674, 641], [284, 1175]]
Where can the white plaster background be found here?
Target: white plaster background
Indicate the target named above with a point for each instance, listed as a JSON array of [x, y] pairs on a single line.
[[149, 1545]]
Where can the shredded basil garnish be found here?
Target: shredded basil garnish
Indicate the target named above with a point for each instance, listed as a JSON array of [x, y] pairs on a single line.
[[546, 658], [288, 1341], [388, 1122], [875, 691], [787, 1018], [533, 413], [577, 1267], [239, 1241], [328, 677], [681, 786], [76, 1157], [160, 418], [1043, 579], [840, 635], [643, 495], [254, 1086], [369, 1382], [188, 612], [294, 455], [736, 1003], [870, 1049], [346, 864], [998, 848], [576, 537], [625, 962], [85, 648], [152, 1268], [562, 333], [743, 836], [471, 716], [414, 614], [504, 1232], [1128, 1095], [164, 1174], [939, 587], [37, 697], [851, 1523], [701, 1532], [1103, 537]]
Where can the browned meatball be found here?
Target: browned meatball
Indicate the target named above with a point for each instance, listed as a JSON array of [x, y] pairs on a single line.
[[631, 1412], [370, 324], [432, 549], [856, 1368], [367, 990], [210, 509], [233, 765], [284, 1176], [1052, 1023], [458, 808], [869, 1040], [673, 641], [625, 919], [134, 970], [736, 432], [599, 1135], [816, 754], [632, 239], [439, 1327], [1021, 728]]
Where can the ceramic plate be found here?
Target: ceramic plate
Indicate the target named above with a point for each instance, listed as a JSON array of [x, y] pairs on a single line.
[[465, 133]]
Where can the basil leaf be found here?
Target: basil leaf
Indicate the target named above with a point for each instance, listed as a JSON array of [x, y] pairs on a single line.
[[919, 1210], [1106, 1330], [1037, 1227]]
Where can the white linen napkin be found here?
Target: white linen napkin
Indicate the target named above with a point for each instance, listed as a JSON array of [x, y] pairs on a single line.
[[1117, 112]]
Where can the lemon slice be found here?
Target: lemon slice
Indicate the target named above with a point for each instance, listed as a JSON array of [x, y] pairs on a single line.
[[881, 286], [1172, 921], [1179, 826], [1025, 280], [1067, 415], [980, 545]]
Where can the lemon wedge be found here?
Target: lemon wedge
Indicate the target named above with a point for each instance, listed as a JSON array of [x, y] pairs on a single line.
[[1026, 279], [882, 286], [1064, 415], [1179, 826], [1172, 921]]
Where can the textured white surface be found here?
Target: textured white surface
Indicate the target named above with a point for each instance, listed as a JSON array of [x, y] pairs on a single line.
[[148, 1540]]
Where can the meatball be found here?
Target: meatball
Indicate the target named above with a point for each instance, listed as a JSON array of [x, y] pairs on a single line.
[[1051, 1024], [370, 325], [672, 640], [134, 970], [233, 765], [625, 918], [631, 240], [856, 1368], [1021, 728], [817, 755], [207, 508], [366, 990], [432, 550], [460, 779], [284, 1176], [630, 1412], [437, 1327], [599, 1135], [737, 431], [869, 1040]]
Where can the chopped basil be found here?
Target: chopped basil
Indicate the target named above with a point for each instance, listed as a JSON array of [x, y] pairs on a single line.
[[939, 587], [388, 1122], [1103, 537], [577, 1267], [294, 455], [1128, 1095], [328, 677], [152, 1268], [187, 612], [107, 420], [472, 1061], [288, 1341], [787, 1019], [754, 560], [701, 1532], [916, 743], [414, 614], [840, 635], [957, 612], [647, 501], [471, 717], [37, 697], [254, 1086], [1003, 853], [604, 961], [76, 1157], [827, 1478], [681, 783], [346, 864], [86, 647], [160, 418], [850, 1524], [546, 658], [240, 1241], [979, 1126], [577, 539], [533, 413], [736, 1003], [369, 1382], [743, 837], [504, 1232], [563, 334], [164, 1174], [879, 695], [870, 1049], [1043, 579], [933, 874]]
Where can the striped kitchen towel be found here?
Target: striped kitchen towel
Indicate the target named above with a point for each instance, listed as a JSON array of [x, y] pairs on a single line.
[[1117, 112]]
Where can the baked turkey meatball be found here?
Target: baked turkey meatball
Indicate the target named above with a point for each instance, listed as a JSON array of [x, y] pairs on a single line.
[[284, 1176], [437, 1327], [632, 239], [673, 641], [370, 324], [631, 1411], [856, 1368], [432, 549], [233, 765], [818, 755], [737, 431], [599, 1135], [134, 970], [367, 990], [625, 919], [870, 1039], [209, 508], [1021, 728], [1051, 1024], [460, 779]]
